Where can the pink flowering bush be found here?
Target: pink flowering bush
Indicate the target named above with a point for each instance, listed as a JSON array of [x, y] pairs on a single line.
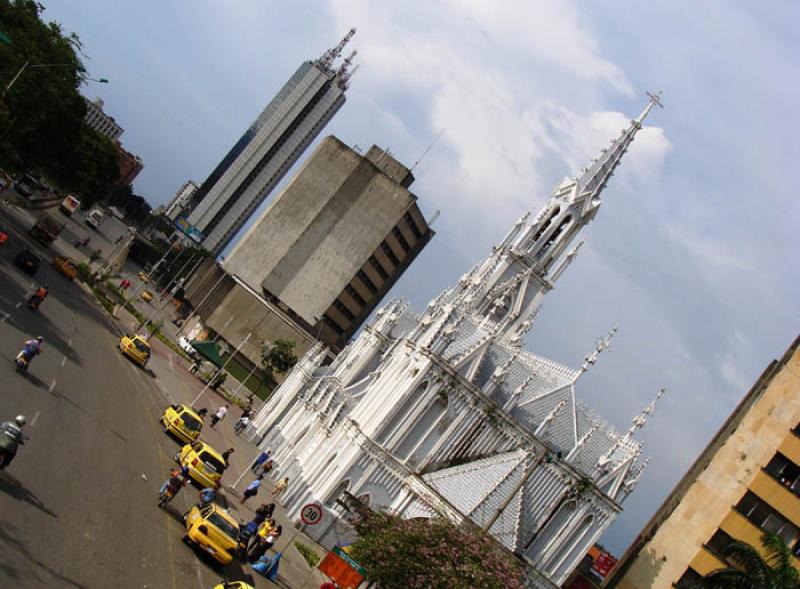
[[429, 554]]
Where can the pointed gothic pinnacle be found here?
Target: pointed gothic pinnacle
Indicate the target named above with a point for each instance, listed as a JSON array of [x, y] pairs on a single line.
[[600, 346], [641, 419]]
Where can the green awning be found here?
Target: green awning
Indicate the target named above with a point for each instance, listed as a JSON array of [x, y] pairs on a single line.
[[209, 351]]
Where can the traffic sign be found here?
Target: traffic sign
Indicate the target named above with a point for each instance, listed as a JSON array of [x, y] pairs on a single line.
[[311, 514]]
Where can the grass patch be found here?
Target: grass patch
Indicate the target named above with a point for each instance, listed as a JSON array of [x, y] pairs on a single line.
[[312, 558]]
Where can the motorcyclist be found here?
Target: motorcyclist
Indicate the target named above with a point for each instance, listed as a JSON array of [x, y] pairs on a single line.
[[11, 437], [31, 348], [178, 478], [38, 296]]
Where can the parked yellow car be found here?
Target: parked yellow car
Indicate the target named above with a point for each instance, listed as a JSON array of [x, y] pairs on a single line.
[[65, 267], [233, 585], [147, 296], [206, 465], [212, 529], [182, 422], [136, 348]]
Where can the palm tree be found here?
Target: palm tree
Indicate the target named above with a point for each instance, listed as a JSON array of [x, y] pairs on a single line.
[[749, 570]]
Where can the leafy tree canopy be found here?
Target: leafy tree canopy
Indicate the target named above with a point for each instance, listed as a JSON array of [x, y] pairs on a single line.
[[41, 115], [748, 569], [422, 553], [279, 357]]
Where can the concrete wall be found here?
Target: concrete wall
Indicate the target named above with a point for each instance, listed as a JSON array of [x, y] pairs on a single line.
[[702, 502]]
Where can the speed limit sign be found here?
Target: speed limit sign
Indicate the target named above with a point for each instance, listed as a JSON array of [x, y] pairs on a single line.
[[311, 514]]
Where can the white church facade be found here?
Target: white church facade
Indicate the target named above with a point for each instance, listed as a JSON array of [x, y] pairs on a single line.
[[445, 413]]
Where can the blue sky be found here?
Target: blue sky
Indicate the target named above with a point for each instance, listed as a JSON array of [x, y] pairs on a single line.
[[694, 252]]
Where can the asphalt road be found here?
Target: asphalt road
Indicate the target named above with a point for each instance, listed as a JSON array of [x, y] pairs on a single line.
[[78, 505]]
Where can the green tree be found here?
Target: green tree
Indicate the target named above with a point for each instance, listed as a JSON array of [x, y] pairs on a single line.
[[425, 553], [41, 116], [278, 358], [749, 570]]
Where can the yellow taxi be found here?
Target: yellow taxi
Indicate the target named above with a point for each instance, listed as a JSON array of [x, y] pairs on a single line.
[[65, 267], [147, 296], [233, 585], [136, 348], [213, 530], [206, 465], [182, 422], [143, 277]]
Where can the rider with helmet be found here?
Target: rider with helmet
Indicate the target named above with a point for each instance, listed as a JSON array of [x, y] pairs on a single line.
[[178, 478], [11, 437], [31, 348], [38, 296]]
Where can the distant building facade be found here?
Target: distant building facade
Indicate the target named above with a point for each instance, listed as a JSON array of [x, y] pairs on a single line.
[[129, 165], [746, 482], [98, 120], [266, 151], [334, 242], [181, 200]]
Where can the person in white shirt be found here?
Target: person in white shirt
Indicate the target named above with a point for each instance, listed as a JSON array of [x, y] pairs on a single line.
[[219, 415]]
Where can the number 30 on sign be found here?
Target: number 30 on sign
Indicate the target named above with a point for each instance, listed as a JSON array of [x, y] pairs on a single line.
[[311, 514]]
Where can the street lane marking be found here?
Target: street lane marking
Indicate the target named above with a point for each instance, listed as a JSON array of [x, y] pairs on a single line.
[[18, 305], [63, 361], [5, 316], [52, 386], [69, 343], [35, 417]]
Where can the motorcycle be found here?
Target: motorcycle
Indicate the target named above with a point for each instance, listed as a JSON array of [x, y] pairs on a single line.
[[22, 361], [245, 533], [3, 237], [165, 495], [34, 302], [8, 448]]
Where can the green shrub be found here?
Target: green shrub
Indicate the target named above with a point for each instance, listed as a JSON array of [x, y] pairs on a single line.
[[312, 558]]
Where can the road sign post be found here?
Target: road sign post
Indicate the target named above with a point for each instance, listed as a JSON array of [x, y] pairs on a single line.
[[311, 514]]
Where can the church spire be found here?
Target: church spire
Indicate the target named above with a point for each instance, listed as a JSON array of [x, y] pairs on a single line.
[[510, 285]]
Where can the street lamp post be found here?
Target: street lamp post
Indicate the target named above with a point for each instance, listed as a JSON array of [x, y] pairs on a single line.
[[28, 64]]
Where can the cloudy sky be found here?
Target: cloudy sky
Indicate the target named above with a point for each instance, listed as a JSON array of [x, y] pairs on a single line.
[[692, 254]]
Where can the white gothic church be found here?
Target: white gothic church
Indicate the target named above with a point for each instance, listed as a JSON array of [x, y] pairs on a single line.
[[445, 413]]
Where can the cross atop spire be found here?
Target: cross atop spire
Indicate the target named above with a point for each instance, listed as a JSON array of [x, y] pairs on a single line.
[[655, 100], [327, 59]]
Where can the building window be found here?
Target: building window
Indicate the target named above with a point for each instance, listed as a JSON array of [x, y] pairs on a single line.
[[412, 225], [333, 325], [362, 276], [378, 268], [389, 253], [689, 580], [765, 517], [355, 296], [719, 542], [338, 305], [401, 238], [786, 472]]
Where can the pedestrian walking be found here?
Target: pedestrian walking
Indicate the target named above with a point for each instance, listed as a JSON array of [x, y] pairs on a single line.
[[279, 487], [261, 459], [226, 454], [270, 539], [207, 496], [241, 424], [252, 488], [219, 415]]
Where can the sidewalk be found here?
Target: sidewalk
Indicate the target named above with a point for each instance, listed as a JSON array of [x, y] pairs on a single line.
[[172, 377]]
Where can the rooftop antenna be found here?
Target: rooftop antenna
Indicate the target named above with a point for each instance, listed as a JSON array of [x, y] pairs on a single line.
[[424, 153]]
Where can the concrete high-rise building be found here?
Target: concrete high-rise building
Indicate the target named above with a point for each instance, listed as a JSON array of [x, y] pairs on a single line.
[[272, 144], [98, 120], [746, 482], [181, 200], [334, 242]]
